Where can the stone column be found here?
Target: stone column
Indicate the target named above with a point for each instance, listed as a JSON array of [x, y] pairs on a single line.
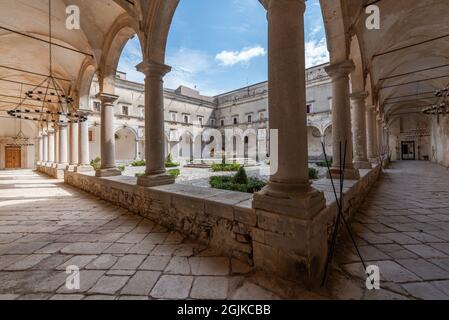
[[137, 157], [371, 133], [40, 156], [63, 148], [44, 148], [83, 148], [341, 120], [108, 166], [51, 147], [56, 147], [73, 148], [359, 130], [380, 141], [293, 242], [155, 173]]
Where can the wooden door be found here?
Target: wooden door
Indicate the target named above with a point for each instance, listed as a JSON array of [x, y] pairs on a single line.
[[13, 157]]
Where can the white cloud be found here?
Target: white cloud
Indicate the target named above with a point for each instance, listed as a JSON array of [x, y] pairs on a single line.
[[316, 53], [230, 58]]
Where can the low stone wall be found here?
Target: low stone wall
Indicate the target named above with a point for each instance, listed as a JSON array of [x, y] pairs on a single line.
[[51, 170], [292, 247], [219, 218]]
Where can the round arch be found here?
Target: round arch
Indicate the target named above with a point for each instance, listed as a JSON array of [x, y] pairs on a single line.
[[125, 145]]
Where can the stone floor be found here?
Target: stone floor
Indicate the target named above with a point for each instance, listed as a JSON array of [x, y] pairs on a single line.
[[403, 228], [46, 226]]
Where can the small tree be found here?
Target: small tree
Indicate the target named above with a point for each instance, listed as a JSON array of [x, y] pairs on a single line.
[[241, 177]]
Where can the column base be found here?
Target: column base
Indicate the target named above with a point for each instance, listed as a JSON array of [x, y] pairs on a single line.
[[302, 203], [349, 174], [83, 168], [110, 172], [71, 167], [155, 180], [362, 165], [61, 166]]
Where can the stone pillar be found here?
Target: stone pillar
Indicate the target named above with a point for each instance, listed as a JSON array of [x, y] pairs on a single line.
[[359, 130], [63, 148], [44, 148], [83, 148], [51, 147], [40, 156], [341, 120], [137, 157], [155, 173], [73, 148], [108, 166], [56, 147], [371, 133], [290, 239], [380, 141]]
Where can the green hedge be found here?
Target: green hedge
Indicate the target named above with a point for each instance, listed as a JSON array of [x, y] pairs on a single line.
[[324, 164], [138, 163], [239, 182], [225, 167], [174, 172]]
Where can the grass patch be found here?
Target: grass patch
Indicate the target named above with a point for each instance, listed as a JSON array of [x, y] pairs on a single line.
[[225, 167], [323, 164], [138, 163], [313, 173], [174, 173], [121, 168], [239, 182]]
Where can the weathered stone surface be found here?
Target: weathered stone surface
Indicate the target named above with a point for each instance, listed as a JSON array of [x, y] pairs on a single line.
[[205, 266], [206, 288], [141, 283], [172, 287], [109, 285]]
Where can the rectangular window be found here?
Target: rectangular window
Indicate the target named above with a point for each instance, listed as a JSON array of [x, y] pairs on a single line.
[[309, 108], [91, 136], [125, 110], [142, 111], [250, 118], [186, 119], [235, 120], [222, 122], [173, 116], [261, 116], [200, 120], [212, 122]]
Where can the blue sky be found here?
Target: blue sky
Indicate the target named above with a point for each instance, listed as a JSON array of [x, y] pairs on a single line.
[[221, 45]]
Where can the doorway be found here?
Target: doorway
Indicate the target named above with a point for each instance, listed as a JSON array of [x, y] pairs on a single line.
[[13, 157], [408, 150]]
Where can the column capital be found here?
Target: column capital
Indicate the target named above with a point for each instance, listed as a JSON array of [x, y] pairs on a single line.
[[153, 68], [106, 97], [340, 69], [361, 95]]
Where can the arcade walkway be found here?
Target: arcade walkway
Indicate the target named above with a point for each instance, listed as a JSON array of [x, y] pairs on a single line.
[[45, 226]]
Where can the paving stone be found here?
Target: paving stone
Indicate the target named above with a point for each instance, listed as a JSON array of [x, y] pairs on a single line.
[[79, 261], [87, 279], [103, 262], [206, 288], [424, 290], [109, 285], [251, 291], [172, 287], [425, 251], [157, 263], [424, 269], [67, 297], [86, 248], [27, 262], [178, 265], [100, 297], [239, 267], [119, 248], [141, 283], [209, 266], [129, 262]]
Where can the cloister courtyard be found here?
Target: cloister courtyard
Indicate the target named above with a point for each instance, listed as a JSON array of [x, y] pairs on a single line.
[[224, 150]]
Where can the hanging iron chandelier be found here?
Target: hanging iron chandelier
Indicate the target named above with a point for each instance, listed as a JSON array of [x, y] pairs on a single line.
[[441, 107], [48, 102]]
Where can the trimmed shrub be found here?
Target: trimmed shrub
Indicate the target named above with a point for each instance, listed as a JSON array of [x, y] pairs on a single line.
[[313, 173], [96, 163], [225, 167], [174, 172], [324, 164], [121, 168], [169, 162], [138, 163], [239, 182]]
